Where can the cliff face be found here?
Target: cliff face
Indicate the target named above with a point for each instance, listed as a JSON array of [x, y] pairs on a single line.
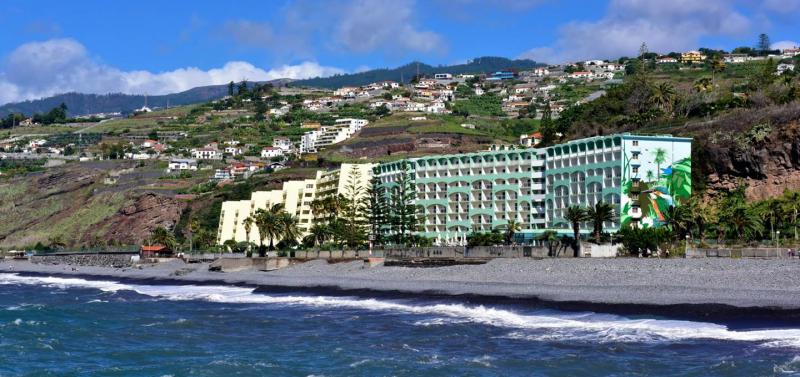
[[759, 148], [134, 222], [73, 205]]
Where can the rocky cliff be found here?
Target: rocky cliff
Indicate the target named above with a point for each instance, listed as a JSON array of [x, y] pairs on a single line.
[[75, 205], [758, 148]]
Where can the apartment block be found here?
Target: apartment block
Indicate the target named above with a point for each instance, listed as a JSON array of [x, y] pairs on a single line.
[[296, 197], [340, 131]]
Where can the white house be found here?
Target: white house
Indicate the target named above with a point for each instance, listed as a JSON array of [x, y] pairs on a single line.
[[442, 76], [271, 152], [222, 174], [346, 91], [206, 153], [734, 58], [283, 143], [530, 140], [180, 164], [233, 151], [436, 107], [580, 75], [541, 72]]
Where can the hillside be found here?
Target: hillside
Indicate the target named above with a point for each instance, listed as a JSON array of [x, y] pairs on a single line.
[[82, 103], [406, 73]]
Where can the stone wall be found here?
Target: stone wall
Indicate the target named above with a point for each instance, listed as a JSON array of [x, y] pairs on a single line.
[[99, 260], [742, 253]]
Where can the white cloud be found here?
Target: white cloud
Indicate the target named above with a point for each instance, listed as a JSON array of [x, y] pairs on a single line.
[[665, 26], [783, 45], [41, 69], [368, 25]]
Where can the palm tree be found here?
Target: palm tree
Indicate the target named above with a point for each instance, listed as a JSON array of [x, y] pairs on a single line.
[[319, 233], [664, 96], [599, 214], [680, 220], [576, 215], [248, 226], [659, 157], [269, 225], [289, 230], [701, 215], [194, 227], [550, 237], [743, 221], [161, 236], [791, 207], [511, 227], [717, 66]]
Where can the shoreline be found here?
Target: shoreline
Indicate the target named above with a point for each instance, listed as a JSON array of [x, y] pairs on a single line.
[[775, 307]]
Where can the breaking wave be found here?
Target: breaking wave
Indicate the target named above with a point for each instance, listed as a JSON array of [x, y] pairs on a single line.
[[535, 326]]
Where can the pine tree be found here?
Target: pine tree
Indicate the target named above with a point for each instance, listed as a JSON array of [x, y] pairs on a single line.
[[547, 127], [354, 210], [376, 209], [763, 44], [403, 211]]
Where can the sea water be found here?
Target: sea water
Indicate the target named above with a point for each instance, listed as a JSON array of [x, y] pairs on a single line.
[[76, 327]]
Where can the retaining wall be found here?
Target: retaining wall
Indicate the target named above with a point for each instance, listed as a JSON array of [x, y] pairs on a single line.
[[773, 253]]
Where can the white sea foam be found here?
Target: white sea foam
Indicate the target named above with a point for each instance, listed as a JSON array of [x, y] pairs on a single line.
[[539, 327]]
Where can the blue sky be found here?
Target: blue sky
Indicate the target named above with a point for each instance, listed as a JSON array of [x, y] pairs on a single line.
[[47, 47]]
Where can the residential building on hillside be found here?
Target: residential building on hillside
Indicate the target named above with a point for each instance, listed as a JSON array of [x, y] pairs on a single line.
[[734, 58], [641, 176], [296, 198], [179, 164], [692, 56], [283, 143], [342, 130], [271, 152], [666, 60], [501, 75]]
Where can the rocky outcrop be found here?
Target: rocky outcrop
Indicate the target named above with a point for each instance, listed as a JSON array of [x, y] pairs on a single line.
[[729, 154], [135, 221]]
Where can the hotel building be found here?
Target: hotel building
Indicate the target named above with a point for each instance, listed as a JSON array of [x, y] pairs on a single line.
[[641, 176]]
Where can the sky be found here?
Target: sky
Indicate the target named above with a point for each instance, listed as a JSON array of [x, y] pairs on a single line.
[[158, 47]]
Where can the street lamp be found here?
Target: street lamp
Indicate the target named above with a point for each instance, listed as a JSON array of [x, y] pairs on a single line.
[[777, 238], [686, 248]]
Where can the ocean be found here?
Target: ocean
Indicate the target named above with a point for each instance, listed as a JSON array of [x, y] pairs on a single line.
[[74, 327]]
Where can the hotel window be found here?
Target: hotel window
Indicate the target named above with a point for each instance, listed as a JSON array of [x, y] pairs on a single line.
[[635, 170], [636, 143]]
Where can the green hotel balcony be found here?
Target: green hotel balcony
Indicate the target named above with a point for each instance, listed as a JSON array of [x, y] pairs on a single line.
[[463, 190], [451, 223], [506, 187], [481, 211], [428, 202]]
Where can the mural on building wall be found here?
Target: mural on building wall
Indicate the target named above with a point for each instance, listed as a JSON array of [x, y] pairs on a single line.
[[656, 190]]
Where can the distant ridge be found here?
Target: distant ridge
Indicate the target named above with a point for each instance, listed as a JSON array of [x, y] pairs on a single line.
[[484, 64], [82, 104]]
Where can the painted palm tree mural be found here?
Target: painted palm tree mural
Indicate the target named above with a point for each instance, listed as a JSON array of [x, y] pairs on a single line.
[[651, 196]]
